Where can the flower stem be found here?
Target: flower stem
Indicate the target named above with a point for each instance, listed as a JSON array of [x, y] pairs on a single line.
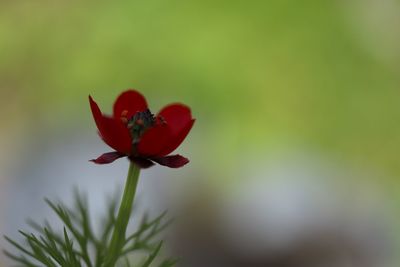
[[124, 213]]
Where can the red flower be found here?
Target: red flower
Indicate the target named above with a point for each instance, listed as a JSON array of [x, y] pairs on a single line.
[[134, 132]]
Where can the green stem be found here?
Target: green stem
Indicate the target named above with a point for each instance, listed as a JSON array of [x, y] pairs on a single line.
[[124, 213]]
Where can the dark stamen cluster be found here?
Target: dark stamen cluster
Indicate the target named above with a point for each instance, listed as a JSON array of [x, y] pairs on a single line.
[[139, 123]]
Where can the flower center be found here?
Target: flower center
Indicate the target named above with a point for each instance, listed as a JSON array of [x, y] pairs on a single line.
[[139, 123]]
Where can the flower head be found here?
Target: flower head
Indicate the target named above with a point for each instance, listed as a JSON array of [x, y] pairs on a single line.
[[134, 132]]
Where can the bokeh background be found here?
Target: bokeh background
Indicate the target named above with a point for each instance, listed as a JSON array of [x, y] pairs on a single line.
[[295, 151]]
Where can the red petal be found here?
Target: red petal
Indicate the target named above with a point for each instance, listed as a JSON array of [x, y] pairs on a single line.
[[175, 161], [128, 103], [176, 140], [179, 119], [113, 132], [154, 140], [108, 158]]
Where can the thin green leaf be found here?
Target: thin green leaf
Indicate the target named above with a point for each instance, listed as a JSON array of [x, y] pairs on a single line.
[[153, 255]]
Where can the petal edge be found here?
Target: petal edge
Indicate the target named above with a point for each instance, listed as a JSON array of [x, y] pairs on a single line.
[[174, 161], [129, 102], [176, 141], [176, 115], [113, 132], [107, 158]]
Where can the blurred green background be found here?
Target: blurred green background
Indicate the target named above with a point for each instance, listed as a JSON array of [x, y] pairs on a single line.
[[263, 78]]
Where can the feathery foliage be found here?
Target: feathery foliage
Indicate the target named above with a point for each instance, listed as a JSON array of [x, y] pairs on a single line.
[[78, 245]]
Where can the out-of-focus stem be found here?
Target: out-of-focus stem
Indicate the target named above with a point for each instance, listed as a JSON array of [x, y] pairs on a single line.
[[124, 213]]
